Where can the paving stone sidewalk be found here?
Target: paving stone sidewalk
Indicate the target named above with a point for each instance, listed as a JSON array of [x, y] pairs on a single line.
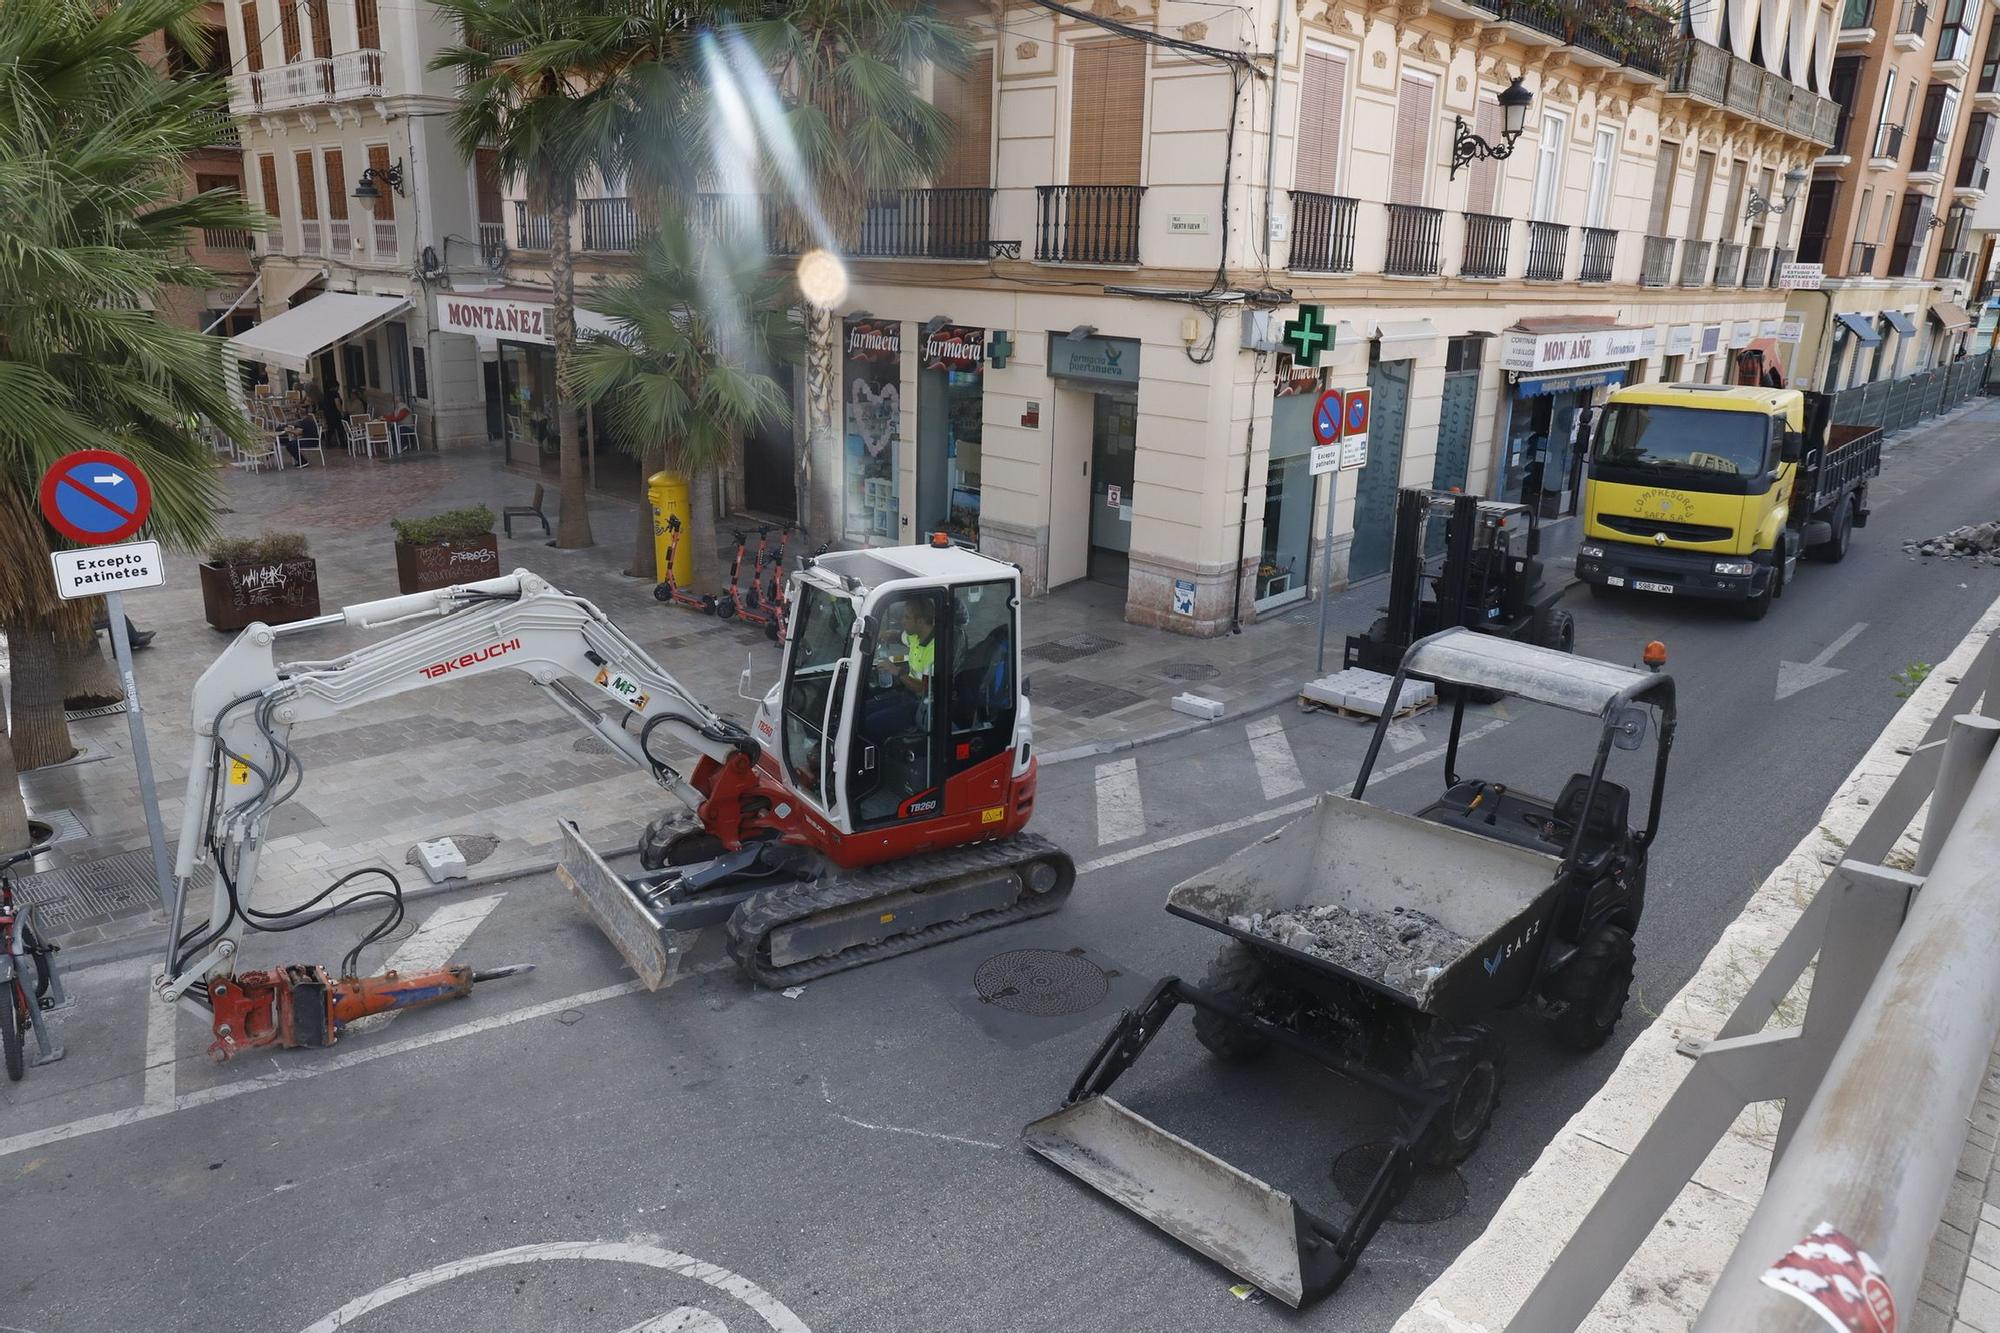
[[1961, 1284], [490, 760]]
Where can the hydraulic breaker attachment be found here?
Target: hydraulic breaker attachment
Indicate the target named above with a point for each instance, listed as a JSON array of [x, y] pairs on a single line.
[[302, 1006]]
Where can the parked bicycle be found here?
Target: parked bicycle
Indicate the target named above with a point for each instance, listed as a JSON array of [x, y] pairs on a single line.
[[21, 951]]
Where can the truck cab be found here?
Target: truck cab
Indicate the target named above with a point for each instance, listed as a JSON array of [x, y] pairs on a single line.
[[1690, 492]]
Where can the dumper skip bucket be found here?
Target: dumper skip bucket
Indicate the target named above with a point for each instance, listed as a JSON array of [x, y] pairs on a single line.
[[1257, 1232]]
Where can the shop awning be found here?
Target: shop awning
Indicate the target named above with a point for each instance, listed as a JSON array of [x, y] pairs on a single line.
[[282, 284], [1901, 323], [1861, 327], [1951, 316], [289, 341], [1404, 332]]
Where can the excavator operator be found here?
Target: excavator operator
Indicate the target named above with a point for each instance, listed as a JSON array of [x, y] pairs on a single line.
[[894, 710]]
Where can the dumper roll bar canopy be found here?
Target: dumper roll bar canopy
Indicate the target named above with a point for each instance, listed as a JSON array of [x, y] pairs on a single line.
[[1575, 684]]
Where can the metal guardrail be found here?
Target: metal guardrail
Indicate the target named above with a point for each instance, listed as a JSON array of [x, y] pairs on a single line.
[[1878, 1076]]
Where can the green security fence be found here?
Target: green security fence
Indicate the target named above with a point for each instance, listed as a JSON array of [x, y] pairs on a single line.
[[1899, 404]]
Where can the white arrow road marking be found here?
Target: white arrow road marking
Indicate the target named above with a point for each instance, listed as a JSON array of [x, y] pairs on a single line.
[[1276, 768], [1121, 811], [1796, 676], [432, 946], [1405, 736]]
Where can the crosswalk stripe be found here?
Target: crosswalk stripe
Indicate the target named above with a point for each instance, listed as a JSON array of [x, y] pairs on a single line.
[[432, 946], [1121, 811], [1276, 768]]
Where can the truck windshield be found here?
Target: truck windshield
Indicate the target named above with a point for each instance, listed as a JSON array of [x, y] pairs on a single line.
[[1683, 439]]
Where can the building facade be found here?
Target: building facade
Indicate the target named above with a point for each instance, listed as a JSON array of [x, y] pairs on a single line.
[[1892, 202], [326, 92], [1070, 348]]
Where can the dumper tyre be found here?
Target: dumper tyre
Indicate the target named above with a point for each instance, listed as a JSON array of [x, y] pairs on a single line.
[[1555, 628], [1235, 974], [1463, 1066], [1593, 989]]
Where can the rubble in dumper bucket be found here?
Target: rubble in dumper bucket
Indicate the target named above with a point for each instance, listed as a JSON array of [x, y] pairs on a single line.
[[1402, 948], [1978, 542]]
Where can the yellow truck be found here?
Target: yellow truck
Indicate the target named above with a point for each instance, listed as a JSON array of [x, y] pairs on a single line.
[[1713, 491]]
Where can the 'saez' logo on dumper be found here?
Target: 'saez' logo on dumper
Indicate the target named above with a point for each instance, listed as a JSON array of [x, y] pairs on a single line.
[[470, 659]]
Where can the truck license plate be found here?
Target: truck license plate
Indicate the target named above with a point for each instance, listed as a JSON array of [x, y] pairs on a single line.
[[1644, 586]]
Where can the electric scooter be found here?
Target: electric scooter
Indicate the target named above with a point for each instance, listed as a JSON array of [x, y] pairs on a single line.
[[669, 591], [758, 605]]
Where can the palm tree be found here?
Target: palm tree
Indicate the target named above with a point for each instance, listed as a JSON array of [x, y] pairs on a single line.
[[92, 140], [706, 318], [852, 122], [553, 86]]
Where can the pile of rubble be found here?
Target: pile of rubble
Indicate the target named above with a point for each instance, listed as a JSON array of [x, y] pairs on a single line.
[[1402, 948], [1978, 542]]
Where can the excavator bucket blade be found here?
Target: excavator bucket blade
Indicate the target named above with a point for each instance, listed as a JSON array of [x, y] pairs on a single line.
[[1254, 1231], [653, 951]]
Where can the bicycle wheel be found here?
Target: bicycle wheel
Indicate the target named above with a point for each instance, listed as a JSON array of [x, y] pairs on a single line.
[[14, 1029]]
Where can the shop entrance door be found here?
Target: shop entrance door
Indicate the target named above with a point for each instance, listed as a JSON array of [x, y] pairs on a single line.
[[1454, 446], [768, 487], [1375, 494], [1282, 563], [1114, 451]]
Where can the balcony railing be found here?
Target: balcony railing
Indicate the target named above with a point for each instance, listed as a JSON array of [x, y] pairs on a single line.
[[1413, 240], [1728, 262], [927, 224], [312, 239], [1600, 251], [226, 238], [611, 226], [1913, 18], [1780, 258], [1088, 224], [1954, 265], [1905, 258], [1694, 264], [1630, 36], [358, 73], [1888, 142], [1656, 263], [1548, 251], [492, 243], [1861, 264], [339, 237], [748, 215], [1858, 14], [1718, 77], [1544, 16], [1322, 232], [1931, 152], [1972, 176], [312, 82], [1486, 244], [531, 229], [385, 238], [1757, 266]]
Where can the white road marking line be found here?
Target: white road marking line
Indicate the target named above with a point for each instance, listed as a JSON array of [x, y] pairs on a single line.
[[1276, 768], [686, 1319], [827, 1093], [766, 1306], [432, 946], [162, 1022], [1277, 812], [1121, 811]]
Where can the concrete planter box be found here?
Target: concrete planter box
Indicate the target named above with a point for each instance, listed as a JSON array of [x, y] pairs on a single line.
[[276, 592], [420, 568]]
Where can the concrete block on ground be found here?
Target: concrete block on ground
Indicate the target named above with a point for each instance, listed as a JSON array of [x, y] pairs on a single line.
[[441, 860], [1195, 706], [1366, 692]]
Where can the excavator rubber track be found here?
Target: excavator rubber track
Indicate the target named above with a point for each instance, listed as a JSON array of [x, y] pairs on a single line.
[[797, 932]]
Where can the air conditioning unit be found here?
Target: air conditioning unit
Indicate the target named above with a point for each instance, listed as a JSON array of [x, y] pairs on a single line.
[[1262, 331]]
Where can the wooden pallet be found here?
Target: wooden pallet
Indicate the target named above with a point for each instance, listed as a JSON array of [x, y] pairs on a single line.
[[1403, 713]]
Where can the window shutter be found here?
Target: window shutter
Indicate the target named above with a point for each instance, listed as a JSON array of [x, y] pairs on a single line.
[[302, 162], [385, 198], [1409, 165], [1663, 188], [1732, 207], [968, 99], [322, 31], [367, 25], [1107, 110], [486, 184], [1704, 184], [1479, 194], [288, 28], [336, 185], [1322, 99], [267, 170], [253, 37]]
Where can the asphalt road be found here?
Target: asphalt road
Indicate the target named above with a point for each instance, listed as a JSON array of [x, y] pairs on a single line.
[[562, 1152]]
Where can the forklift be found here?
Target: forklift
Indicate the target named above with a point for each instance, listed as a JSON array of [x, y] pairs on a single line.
[[1477, 561]]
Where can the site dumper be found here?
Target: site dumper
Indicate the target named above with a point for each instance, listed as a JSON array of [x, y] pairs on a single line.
[[1373, 943]]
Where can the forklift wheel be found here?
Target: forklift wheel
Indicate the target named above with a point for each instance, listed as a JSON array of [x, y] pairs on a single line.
[[1236, 975], [1462, 1066], [1555, 629], [1593, 988]]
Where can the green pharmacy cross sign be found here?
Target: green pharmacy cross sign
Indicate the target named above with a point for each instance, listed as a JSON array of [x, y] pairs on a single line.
[[1308, 336]]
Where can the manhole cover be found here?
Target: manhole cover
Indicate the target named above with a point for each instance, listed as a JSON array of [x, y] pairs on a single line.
[[1434, 1195], [1041, 982], [1190, 671], [590, 745], [1069, 648]]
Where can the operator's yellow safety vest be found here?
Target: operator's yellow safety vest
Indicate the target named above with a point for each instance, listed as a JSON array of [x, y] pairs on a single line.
[[922, 656]]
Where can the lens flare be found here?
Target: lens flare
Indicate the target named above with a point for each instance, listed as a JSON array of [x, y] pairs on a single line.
[[822, 278]]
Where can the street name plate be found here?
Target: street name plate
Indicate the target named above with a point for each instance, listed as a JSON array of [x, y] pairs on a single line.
[[102, 569]]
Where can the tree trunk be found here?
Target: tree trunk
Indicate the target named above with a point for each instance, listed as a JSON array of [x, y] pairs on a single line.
[[709, 574], [13, 809], [643, 565], [41, 733], [89, 679], [819, 451], [573, 527]]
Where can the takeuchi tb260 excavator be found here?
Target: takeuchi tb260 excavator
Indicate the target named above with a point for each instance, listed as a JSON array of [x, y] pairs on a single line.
[[875, 805]]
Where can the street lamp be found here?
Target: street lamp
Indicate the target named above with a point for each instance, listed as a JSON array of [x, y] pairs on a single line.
[[1795, 179], [1467, 147], [369, 188]]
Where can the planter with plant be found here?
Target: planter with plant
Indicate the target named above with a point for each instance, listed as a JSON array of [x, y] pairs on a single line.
[[440, 550], [269, 578]]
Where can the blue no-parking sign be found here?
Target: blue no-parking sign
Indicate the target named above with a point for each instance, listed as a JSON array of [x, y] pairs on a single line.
[[96, 497]]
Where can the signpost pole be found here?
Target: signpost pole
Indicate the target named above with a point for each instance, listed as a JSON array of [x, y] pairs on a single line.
[[1326, 570], [135, 718]]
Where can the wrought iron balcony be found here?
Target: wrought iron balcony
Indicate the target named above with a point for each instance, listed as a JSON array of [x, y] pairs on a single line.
[[1656, 263], [1728, 262], [1486, 244], [611, 226], [1757, 266], [1548, 251], [1719, 78], [1694, 264], [1888, 142], [1414, 232], [1600, 251], [226, 238], [1861, 263], [1088, 224], [492, 243], [949, 223], [531, 230], [1322, 232], [1780, 258]]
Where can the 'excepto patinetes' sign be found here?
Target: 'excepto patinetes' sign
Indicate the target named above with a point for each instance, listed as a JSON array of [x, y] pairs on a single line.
[[101, 569]]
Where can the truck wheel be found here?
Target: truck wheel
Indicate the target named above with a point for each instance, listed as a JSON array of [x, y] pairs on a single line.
[[1556, 629], [1236, 975], [1834, 549], [1593, 989], [1460, 1067], [1759, 606]]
